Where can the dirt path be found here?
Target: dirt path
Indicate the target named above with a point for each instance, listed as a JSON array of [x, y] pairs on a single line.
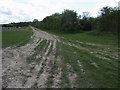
[[0, 68], [45, 68], [16, 70]]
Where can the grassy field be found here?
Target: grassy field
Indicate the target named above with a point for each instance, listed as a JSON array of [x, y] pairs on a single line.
[[12, 37], [93, 62], [83, 60], [94, 71], [107, 39], [91, 36], [91, 71]]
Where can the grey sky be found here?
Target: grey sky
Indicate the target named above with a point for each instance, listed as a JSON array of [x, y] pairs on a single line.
[[27, 10]]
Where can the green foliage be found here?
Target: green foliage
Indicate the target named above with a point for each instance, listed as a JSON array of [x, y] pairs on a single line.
[[19, 24], [66, 22], [35, 20], [109, 19], [106, 11], [86, 23], [69, 21]]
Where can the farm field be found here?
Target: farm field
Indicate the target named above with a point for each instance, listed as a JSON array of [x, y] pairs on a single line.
[[15, 37], [61, 61]]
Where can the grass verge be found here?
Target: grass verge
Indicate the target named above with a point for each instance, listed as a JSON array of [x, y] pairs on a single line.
[[18, 38], [104, 76]]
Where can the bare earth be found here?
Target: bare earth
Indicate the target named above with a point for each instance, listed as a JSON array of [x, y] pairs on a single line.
[[0, 68], [17, 72]]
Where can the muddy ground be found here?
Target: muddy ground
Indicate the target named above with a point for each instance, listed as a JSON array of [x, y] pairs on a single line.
[[17, 72]]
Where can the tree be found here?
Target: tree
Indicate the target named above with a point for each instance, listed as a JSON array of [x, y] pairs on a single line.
[[52, 22], [69, 21], [85, 15], [105, 11], [35, 20], [108, 22], [86, 21]]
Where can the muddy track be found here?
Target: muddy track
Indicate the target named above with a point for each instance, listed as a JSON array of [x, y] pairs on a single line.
[[0, 68], [16, 71], [104, 52], [39, 65]]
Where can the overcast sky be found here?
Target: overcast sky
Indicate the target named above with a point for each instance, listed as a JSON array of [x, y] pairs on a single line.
[[27, 10]]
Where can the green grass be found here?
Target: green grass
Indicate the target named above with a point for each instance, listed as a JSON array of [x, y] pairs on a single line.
[[90, 36], [105, 76], [18, 38], [106, 39]]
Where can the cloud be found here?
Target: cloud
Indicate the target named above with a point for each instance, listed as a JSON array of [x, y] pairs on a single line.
[[103, 3], [27, 10], [15, 11], [94, 6], [12, 12]]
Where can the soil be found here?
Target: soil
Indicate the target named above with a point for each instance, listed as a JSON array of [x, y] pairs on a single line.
[[16, 72]]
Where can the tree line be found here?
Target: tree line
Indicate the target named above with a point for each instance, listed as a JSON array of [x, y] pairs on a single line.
[[70, 22], [67, 22]]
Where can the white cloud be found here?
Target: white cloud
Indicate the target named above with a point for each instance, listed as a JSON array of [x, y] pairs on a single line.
[[103, 3], [13, 12], [98, 4], [27, 10]]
